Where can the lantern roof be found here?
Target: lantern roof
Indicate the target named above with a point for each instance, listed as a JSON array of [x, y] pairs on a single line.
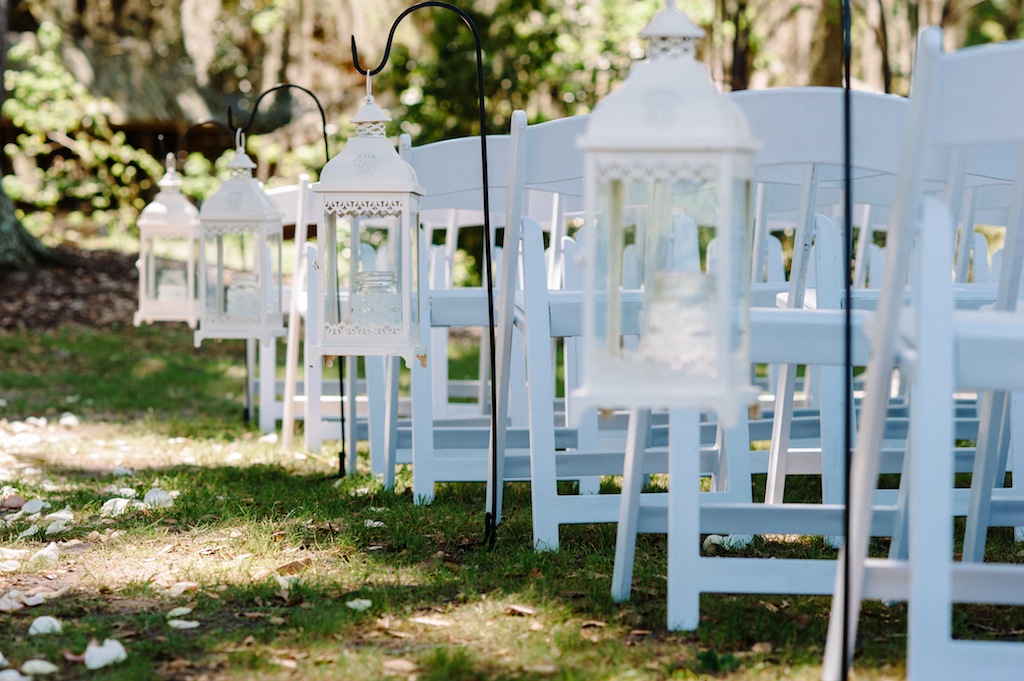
[[668, 102], [368, 162], [169, 206], [240, 198]]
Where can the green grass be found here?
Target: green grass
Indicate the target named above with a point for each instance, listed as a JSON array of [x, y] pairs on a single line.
[[268, 549]]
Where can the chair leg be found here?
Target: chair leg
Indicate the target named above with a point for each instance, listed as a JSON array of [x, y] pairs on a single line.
[[629, 504], [391, 420], [267, 385], [423, 465], [684, 520], [376, 396]]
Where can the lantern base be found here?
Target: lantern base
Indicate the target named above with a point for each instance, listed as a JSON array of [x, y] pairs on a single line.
[[264, 336]]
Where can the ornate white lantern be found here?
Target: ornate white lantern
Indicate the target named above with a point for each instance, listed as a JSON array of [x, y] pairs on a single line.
[[168, 255], [240, 258], [669, 163], [368, 248]]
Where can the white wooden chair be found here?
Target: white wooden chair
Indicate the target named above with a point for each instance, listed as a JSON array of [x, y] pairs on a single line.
[[959, 101]]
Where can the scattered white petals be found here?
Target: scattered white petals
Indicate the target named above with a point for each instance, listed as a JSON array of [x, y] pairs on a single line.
[[57, 526], [287, 581], [121, 471], [33, 601], [124, 492], [360, 491], [13, 675], [179, 588], [360, 604], [373, 523], [32, 529], [3, 661], [34, 506], [115, 507], [157, 498], [182, 624], [110, 652], [50, 554], [13, 553], [9, 566], [178, 612], [63, 514], [9, 603], [39, 668], [45, 625], [269, 438]]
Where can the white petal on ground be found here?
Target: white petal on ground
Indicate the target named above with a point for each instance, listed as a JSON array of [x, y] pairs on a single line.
[[110, 652], [9, 603], [157, 498], [34, 506], [13, 553], [33, 601], [125, 492], [117, 506], [32, 529], [3, 661], [373, 523], [178, 612], [57, 526], [68, 420], [9, 565], [360, 604], [45, 625], [13, 675], [50, 554], [121, 471], [64, 514], [39, 668], [182, 624]]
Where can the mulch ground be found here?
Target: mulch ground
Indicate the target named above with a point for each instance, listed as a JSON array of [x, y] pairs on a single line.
[[97, 289]]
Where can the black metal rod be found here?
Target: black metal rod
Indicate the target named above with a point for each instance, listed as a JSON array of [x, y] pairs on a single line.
[[490, 516], [847, 326]]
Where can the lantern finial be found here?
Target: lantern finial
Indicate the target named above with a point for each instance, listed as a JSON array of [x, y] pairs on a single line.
[[672, 34]]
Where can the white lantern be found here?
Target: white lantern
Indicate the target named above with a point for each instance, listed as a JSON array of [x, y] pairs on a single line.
[[168, 255], [368, 247], [669, 162], [240, 258]]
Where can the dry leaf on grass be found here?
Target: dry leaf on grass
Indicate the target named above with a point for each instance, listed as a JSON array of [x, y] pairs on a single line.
[[294, 566], [400, 666], [431, 621]]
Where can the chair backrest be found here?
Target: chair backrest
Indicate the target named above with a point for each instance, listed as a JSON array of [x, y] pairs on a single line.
[[800, 162]]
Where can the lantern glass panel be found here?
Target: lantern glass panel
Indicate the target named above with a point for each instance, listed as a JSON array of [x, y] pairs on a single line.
[[168, 275], [672, 277], [232, 279]]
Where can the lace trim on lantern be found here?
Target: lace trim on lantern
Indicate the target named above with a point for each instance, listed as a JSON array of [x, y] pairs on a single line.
[[231, 319], [357, 330], [672, 47], [230, 228], [239, 173], [364, 206], [371, 129], [677, 172]]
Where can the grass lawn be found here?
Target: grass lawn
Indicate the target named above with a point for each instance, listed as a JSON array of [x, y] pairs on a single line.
[[281, 571]]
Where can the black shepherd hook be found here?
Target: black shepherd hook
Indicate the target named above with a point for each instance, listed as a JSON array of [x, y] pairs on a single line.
[[201, 124], [490, 518], [275, 88]]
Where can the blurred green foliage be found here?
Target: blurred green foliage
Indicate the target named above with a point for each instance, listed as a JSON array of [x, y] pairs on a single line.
[[68, 161]]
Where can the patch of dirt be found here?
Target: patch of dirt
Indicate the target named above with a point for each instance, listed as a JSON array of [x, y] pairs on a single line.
[[92, 288]]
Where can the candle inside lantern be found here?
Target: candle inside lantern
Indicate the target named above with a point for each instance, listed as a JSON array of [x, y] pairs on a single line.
[[376, 299]]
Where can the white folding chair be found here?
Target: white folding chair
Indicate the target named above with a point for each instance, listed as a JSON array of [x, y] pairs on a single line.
[[960, 104]]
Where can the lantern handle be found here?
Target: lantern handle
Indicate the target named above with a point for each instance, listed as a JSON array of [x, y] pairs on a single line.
[[274, 88], [492, 512]]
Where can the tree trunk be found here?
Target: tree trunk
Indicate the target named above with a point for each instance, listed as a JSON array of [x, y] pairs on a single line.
[[827, 46]]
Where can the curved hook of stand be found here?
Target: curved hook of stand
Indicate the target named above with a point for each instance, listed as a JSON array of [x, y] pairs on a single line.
[[280, 86], [491, 515], [208, 122]]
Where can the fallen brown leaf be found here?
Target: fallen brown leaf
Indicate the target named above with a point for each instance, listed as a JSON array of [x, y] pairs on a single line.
[[400, 666], [290, 568]]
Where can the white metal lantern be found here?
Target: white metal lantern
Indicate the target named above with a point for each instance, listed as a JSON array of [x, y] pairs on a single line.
[[669, 163], [368, 247], [240, 258], [168, 255]]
